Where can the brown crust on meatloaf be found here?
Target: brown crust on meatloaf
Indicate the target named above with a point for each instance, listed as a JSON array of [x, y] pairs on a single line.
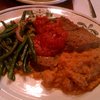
[[81, 39], [68, 25]]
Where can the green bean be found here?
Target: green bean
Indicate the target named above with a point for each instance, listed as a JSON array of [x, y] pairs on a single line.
[[11, 70], [29, 27], [27, 12], [8, 30], [22, 25], [25, 68], [5, 49], [11, 74], [9, 41], [10, 60], [4, 24], [8, 26], [4, 71], [1, 68], [1, 51], [24, 52], [3, 43], [23, 16], [7, 65], [10, 52], [7, 34], [31, 45]]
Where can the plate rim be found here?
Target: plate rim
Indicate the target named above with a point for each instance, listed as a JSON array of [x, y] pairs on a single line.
[[50, 6], [34, 2]]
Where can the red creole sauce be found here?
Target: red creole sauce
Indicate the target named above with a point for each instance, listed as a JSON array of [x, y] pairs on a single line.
[[50, 38]]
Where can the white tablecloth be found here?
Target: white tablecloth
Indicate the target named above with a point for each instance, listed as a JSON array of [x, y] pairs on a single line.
[[82, 7]]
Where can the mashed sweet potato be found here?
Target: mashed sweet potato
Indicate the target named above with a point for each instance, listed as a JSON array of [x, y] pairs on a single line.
[[74, 73]]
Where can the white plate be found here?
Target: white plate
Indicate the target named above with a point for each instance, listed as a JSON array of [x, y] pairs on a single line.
[[26, 88], [41, 2]]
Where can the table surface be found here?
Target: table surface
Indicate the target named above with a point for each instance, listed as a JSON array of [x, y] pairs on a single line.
[[13, 3]]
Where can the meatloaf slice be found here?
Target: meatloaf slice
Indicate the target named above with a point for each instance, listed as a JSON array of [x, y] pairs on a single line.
[[81, 39], [68, 25]]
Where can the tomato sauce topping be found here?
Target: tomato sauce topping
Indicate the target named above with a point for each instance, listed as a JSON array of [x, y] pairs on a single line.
[[50, 38]]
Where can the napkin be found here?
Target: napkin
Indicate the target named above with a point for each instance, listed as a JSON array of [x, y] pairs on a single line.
[[82, 6]]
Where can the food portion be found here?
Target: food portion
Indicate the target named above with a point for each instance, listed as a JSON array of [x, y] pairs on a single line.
[[76, 73], [81, 40], [42, 0], [62, 54]]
